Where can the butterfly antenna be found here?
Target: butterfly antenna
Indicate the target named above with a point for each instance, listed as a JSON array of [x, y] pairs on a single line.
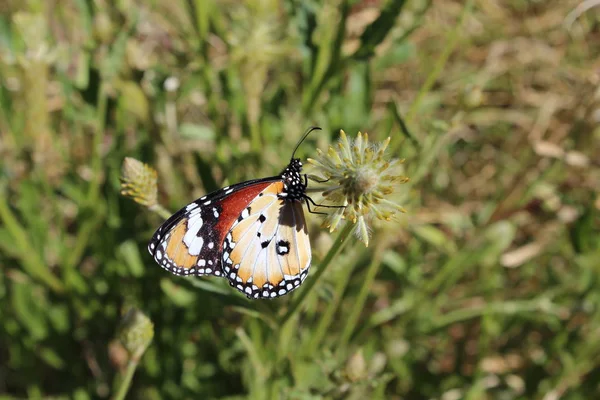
[[312, 128]]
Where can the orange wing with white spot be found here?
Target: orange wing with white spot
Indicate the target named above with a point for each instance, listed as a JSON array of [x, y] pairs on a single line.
[[189, 243], [266, 253]]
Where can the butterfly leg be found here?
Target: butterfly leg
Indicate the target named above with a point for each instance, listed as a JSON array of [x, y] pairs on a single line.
[[308, 206], [318, 205]]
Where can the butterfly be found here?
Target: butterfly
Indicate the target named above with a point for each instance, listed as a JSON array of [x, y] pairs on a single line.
[[252, 233]]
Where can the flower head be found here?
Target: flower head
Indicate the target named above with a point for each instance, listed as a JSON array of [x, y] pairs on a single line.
[[138, 181], [362, 179]]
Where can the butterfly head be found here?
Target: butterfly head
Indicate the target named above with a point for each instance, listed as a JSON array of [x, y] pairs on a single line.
[[294, 185]]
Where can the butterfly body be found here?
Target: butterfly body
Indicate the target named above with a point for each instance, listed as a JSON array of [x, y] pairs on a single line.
[[253, 233]]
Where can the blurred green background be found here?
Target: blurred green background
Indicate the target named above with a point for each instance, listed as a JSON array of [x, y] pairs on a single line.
[[488, 288]]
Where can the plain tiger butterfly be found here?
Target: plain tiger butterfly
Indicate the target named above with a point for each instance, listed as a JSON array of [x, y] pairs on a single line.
[[253, 233]]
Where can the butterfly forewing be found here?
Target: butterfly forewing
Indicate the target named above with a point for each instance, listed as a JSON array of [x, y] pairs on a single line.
[[190, 242], [267, 252]]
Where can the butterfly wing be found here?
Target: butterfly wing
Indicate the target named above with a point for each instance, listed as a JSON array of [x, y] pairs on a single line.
[[266, 253], [190, 241]]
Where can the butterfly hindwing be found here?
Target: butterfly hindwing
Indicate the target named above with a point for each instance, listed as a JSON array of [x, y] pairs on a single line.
[[190, 241], [266, 253]]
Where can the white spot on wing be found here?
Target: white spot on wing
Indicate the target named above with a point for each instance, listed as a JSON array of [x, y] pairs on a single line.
[[245, 213], [196, 246], [194, 224]]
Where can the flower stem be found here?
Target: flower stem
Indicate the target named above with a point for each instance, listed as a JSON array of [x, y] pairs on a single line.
[[32, 261], [440, 63], [126, 381], [372, 271], [335, 248], [96, 161], [320, 331], [160, 210]]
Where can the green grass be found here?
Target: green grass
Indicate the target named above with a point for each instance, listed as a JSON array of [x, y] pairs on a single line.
[[488, 288]]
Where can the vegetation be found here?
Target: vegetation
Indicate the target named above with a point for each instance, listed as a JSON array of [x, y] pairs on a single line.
[[487, 287]]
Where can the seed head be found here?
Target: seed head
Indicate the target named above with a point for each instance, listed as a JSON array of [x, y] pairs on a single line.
[[361, 178], [138, 181], [136, 332]]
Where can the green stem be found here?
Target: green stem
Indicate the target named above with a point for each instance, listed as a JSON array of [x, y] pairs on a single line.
[[362, 296], [255, 137], [340, 286], [440, 63], [32, 261], [537, 308], [259, 368], [96, 161], [84, 235], [160, 210], [337, 246], [329, 59], [126, 382]]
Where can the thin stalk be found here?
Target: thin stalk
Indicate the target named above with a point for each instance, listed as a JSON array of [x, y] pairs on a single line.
[[255, 137], [259, 368], [440, 62], [126, 382], [160, 210], [357, 309], [537, 308], [340, 286], [32, 261], [84, 236], [335, 248], [96, 162], [329, 60]]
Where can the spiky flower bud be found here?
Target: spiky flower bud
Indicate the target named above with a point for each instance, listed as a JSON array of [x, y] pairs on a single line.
[[361, 178], [136, 333], [138, 181]]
